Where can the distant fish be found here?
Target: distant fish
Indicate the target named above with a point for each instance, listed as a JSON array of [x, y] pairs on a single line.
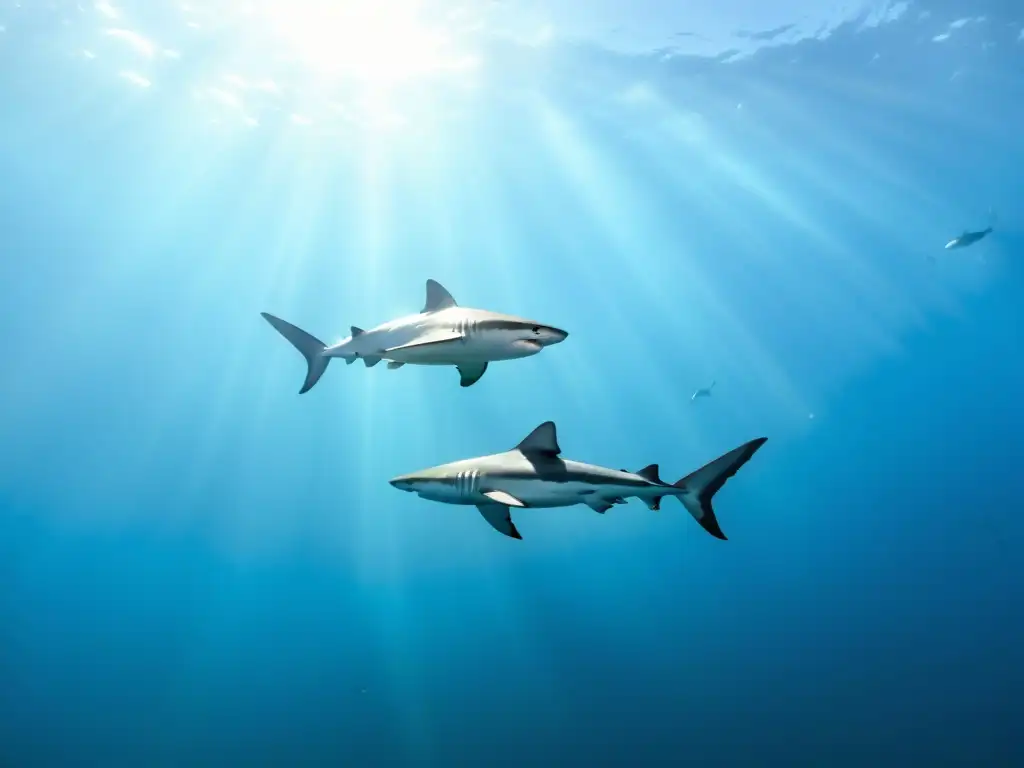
[[970, 238], [967, 238], [703, 392]]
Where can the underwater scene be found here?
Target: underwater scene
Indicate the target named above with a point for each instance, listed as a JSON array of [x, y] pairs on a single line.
[[511, 383]]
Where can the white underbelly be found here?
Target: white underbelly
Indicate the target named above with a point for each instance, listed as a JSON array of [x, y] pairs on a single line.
[[455, 352], [536, 493]]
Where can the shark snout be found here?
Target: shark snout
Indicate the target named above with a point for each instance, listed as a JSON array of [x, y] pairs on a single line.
[[402, 483], [549, 335]]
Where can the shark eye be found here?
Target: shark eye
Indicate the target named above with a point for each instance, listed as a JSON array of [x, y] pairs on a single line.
[[536, 329]]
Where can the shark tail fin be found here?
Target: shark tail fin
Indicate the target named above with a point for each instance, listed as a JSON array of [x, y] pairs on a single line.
[[310, 346], [698, 488]]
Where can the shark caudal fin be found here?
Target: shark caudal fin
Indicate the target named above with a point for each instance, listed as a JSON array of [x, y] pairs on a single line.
[[310, 346], [698, 488]]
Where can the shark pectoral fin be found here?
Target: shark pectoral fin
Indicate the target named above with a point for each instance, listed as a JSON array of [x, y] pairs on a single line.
[[392, 365], [500, 497], [430, 338], [471, 373], [371, 360], [499, 518]]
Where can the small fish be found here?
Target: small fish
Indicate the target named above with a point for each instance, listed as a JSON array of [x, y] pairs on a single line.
[[703, 392]]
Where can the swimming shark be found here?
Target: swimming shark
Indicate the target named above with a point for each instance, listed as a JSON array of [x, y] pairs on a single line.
[[970, 238], [967, 238], [703, 392], [443, 333], [533, 474]]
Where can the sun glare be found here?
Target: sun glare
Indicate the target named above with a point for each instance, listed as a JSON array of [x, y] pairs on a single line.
[[378, 42]]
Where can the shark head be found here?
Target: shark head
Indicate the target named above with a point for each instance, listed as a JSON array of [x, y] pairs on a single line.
[[435, 484], [528, 337], [516, 336], [530, 332]]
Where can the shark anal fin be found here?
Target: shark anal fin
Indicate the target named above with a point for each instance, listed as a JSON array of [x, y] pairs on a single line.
[[654, 503], [500, 497], [427, 339], [438, 298], [393, 365], [471, 373], [543, 440], [499, 518], [371, 360]]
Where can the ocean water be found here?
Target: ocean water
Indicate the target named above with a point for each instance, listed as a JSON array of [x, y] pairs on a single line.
[[198, 566]]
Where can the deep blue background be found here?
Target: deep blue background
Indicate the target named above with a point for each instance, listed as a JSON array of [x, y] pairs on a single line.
[[199, 567]]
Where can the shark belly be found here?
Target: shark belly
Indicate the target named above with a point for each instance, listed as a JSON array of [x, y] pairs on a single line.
[[545, 493], [472, 349]]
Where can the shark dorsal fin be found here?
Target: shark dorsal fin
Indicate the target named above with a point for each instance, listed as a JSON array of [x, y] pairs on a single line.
[[650, 473], [356, 331], [543, 441], [438, 298]]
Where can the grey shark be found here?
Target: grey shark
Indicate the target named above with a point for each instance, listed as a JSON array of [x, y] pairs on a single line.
[[970, 238], [443, 333], [703, 392], [967, 238], [533, 474]]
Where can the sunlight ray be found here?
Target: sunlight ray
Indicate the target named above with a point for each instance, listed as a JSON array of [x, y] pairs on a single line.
[[304, 186], [918, 104], [787, 277], [647, 229], [896, 307], [372, 261], [213, 276]]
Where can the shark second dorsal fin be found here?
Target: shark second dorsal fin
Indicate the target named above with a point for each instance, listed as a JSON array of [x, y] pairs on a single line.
[[356, 331], [650, 473], [542, 441], [438, 298]]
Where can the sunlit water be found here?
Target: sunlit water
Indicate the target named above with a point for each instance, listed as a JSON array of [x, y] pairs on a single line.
[[200, 567]]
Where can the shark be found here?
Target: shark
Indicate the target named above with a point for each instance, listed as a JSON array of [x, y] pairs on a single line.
[[442, 333], [534, 475], [702, 392], [967, 238]]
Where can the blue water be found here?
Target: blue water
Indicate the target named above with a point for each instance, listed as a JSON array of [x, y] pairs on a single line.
[[200, 567]]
